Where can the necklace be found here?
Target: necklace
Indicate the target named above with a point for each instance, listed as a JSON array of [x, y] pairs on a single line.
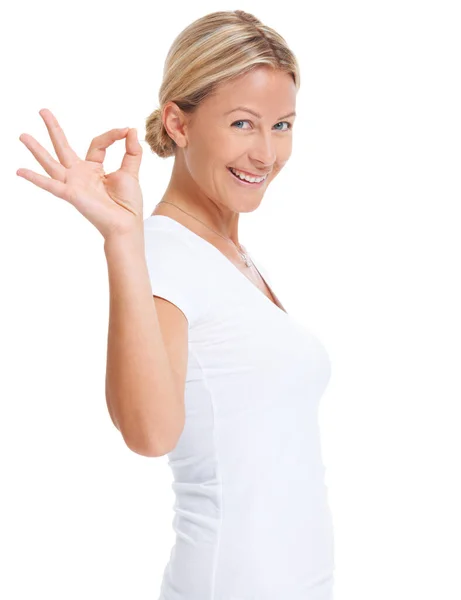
[[243, 254]]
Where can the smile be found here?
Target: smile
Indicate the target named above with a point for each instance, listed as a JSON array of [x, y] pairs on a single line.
[[245, 180]]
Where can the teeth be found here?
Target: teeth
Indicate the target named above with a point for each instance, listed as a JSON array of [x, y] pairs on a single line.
[[246, 177]]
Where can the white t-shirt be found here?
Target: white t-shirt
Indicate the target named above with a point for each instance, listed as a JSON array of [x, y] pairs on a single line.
[[252, 518]]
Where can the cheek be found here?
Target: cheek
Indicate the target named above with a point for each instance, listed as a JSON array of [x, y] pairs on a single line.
[[202, 157], [220, 149], [286, 149], [281, 162], [284, 152]]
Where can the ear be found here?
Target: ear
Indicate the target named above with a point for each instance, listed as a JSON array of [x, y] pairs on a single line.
[[175, 122]]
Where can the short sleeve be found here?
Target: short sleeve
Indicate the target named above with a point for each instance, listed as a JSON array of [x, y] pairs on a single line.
[[175, 271]]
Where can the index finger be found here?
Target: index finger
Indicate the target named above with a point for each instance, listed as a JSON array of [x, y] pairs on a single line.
[[97, 150], [64, 152]]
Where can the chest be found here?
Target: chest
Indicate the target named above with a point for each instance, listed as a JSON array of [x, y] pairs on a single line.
[[256, 279], [254, 373]]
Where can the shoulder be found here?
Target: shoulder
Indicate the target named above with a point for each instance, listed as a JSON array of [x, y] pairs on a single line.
[[176, 269]]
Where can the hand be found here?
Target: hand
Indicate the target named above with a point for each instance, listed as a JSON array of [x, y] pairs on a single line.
[[112, 203]]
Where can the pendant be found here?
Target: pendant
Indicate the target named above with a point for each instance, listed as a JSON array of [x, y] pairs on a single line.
[[246, 259], [243, 254]]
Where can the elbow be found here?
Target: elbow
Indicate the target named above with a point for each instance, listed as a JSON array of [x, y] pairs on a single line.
[[144, 450], [166, 441], [158, 449], [153, 443], [161, 449], [142, 447], [150, 448]]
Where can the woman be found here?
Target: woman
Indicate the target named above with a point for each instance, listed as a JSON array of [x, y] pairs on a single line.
[[213, 371]]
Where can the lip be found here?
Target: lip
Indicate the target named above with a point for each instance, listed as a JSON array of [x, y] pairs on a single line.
[[246, 184], [250, 174]]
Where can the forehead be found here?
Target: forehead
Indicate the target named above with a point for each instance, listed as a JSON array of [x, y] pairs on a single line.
[[265, 90]]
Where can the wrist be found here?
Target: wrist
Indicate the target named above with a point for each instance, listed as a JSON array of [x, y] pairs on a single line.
[[133, 239]]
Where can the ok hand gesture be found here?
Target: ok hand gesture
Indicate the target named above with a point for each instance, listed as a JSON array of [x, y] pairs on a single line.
[[112, 203]]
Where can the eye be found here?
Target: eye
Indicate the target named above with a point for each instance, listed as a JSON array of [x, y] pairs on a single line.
[[236, 122], [288, 123], [281, 122]]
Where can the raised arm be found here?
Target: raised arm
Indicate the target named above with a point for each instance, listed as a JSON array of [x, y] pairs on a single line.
[[146, 355], [144, 384]]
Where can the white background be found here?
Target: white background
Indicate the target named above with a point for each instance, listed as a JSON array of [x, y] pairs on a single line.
[[361, 236]]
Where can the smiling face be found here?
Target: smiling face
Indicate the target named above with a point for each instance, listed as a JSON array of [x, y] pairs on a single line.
[[221, 134]]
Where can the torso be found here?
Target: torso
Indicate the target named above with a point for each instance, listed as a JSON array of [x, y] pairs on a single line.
[[252, 518]]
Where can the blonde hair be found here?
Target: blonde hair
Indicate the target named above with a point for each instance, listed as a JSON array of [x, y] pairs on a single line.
[[211, 50]]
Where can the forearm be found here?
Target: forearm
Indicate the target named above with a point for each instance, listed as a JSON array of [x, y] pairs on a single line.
[[140, 388]]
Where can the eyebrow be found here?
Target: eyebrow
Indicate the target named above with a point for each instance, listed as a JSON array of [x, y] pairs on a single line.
[[244, 108]]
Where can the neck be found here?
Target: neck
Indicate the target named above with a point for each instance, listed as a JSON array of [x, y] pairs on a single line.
[[197, 215], [185, 194]]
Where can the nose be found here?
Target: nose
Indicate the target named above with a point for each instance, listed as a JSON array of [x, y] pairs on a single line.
[[263, 149]]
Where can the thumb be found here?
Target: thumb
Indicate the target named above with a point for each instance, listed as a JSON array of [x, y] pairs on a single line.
[[133, 155]]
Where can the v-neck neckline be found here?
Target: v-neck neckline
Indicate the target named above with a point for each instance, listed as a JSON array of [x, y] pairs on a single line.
[[277, 304]]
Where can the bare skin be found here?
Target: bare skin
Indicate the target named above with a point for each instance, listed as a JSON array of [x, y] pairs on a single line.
[[209, 141]]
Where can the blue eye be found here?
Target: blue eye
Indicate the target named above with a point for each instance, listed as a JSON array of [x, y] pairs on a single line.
[[289, 125], [245, 121]]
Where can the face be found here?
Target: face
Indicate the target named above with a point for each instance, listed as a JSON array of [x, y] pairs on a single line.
[[220, 135]]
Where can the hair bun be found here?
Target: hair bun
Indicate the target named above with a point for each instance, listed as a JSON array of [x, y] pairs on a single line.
[[157, 136]]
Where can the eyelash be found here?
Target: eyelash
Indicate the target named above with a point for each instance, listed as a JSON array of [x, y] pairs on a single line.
[[247, 121]]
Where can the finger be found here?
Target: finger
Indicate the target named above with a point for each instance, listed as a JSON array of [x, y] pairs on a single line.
[[51, 166], [57, 188], [64, 152], [97, 150], [133, 155]]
